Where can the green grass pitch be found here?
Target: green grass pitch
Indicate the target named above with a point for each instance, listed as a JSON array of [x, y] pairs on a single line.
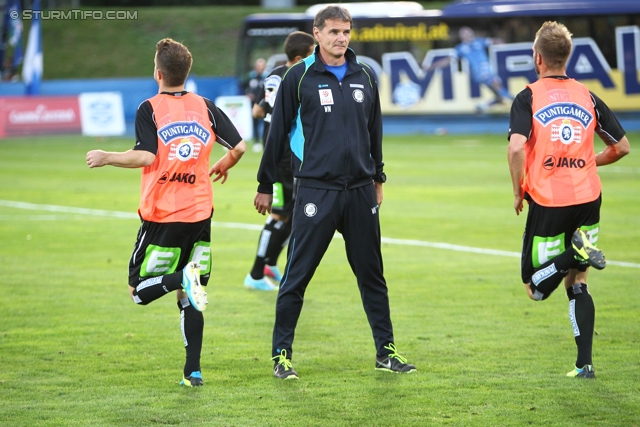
[[75, 351]]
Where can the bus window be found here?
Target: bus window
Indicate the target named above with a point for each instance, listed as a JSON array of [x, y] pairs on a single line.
[[263, 36]]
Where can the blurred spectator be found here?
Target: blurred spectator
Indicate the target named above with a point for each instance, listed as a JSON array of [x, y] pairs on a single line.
[[8, 70], [252, 85], [473, 49]]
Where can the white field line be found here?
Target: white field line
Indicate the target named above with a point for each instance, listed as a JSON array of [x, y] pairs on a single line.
[[241, 226], [618, 169]]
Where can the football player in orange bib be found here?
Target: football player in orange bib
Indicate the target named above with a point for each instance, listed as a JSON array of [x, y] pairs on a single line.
[[175, 131], [553, 167]]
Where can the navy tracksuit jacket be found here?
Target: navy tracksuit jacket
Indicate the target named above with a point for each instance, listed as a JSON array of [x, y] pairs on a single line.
[[335, 132]]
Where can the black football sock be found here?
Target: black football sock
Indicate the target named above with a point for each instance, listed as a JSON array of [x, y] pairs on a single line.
[[192, 326], [257, 272], [550, 274], [155, 287], [279, 235], [582, 313]]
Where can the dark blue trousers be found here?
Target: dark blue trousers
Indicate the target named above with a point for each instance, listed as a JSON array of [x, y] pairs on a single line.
[[318, 213]]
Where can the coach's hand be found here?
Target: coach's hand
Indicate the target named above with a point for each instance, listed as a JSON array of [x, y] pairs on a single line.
[[263, 202], [379, 193]]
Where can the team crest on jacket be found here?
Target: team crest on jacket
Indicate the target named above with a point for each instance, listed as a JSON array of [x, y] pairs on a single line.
[[310, 209], [358, 95]]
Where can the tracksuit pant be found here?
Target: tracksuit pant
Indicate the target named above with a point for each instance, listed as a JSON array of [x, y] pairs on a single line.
[[318, 213]]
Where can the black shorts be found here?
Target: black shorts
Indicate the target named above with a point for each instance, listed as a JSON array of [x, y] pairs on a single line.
[[164, 248], [283, 198], [548, 232]]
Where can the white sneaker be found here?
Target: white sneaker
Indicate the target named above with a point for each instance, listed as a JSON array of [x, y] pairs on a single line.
[[192, 287]]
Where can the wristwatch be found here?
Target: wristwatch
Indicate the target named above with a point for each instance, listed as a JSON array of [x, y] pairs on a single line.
[[381, 178]]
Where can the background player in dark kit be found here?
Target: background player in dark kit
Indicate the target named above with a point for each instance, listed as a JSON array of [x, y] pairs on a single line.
[[277, 228]]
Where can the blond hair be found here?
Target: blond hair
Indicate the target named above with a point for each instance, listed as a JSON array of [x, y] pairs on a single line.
[[553, 43]]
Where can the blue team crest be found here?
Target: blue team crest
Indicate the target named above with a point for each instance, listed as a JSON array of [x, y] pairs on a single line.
[[184, 150], [175, 130], [566, 133], [563, 110]]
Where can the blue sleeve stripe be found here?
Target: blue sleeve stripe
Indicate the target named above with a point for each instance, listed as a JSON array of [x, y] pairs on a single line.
[[296, 139]]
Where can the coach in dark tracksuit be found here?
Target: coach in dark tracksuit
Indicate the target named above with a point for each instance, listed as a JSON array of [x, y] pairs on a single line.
[[329, 106]]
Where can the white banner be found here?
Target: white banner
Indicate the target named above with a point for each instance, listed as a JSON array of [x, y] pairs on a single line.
[[238, 109], [102, 114]]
